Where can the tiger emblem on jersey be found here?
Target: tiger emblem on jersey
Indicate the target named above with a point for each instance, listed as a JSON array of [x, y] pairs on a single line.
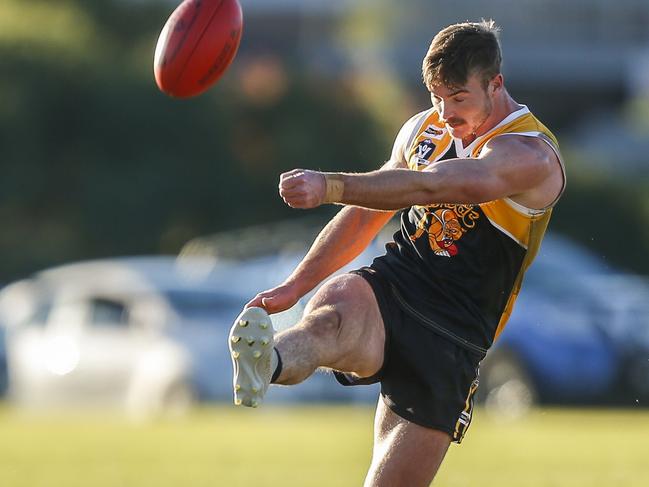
[[445, 224], [443, 228]]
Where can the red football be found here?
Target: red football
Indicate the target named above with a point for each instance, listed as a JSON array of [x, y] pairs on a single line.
[[196, 45]]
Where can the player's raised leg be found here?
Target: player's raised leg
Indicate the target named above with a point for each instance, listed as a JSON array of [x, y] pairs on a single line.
[[404, 452], [341, 329]]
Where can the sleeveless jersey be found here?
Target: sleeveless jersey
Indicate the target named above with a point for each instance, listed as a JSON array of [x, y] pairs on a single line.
[[459, 267]]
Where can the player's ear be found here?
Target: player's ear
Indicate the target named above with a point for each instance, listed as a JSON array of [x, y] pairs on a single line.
[[496, 84]]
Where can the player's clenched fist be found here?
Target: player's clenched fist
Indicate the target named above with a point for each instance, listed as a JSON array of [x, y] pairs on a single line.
[[301, 188]]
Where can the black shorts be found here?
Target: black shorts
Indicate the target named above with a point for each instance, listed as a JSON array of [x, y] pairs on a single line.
[[425, 378]]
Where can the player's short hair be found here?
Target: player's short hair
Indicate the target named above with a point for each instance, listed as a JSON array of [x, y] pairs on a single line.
[[461, 50]]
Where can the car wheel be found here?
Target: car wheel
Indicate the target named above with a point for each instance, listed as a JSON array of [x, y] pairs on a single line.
[[506, 388]]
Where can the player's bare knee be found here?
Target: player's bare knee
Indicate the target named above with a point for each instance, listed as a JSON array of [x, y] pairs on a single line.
[[335, 292]]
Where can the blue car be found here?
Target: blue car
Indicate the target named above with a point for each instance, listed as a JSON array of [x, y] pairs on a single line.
[[579, 334]]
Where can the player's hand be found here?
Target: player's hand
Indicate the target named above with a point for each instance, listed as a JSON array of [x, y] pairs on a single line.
[[301, 188], [275, 300]]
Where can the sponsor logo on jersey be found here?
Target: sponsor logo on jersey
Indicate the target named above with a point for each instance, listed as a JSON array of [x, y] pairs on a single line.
[[433, 132]]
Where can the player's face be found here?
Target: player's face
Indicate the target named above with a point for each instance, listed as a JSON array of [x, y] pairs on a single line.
[[466, 108]]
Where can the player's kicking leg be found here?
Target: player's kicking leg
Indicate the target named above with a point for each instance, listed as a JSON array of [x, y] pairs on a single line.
[[341, 329]]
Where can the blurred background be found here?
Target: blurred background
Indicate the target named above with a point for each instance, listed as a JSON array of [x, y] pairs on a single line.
[[106, 182]]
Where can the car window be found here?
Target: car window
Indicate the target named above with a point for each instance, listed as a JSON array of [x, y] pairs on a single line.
[[560, 256], [39, 317], [202, 304], [561, 269], [107, 312]]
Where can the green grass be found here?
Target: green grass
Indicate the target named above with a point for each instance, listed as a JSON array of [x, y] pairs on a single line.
[[315, 446]]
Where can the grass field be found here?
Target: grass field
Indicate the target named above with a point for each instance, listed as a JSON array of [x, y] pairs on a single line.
[[315, 446]]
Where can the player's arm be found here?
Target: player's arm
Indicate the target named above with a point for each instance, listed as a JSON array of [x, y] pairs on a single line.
[[343, 239], [339, 242], [508, 165], [350, 231]]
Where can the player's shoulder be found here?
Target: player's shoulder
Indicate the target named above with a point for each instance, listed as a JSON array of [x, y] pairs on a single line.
[[522, 148]]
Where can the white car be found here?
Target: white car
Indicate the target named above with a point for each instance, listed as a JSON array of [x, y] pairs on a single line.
[[147, 335], [127, 333]]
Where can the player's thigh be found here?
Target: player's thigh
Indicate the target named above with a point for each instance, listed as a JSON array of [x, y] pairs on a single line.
[[357, 323]]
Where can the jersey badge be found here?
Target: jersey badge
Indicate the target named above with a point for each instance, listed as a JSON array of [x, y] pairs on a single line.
[[423, 151]]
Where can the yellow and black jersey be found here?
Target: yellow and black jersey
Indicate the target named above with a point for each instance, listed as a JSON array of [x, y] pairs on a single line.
[[459, 267]]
